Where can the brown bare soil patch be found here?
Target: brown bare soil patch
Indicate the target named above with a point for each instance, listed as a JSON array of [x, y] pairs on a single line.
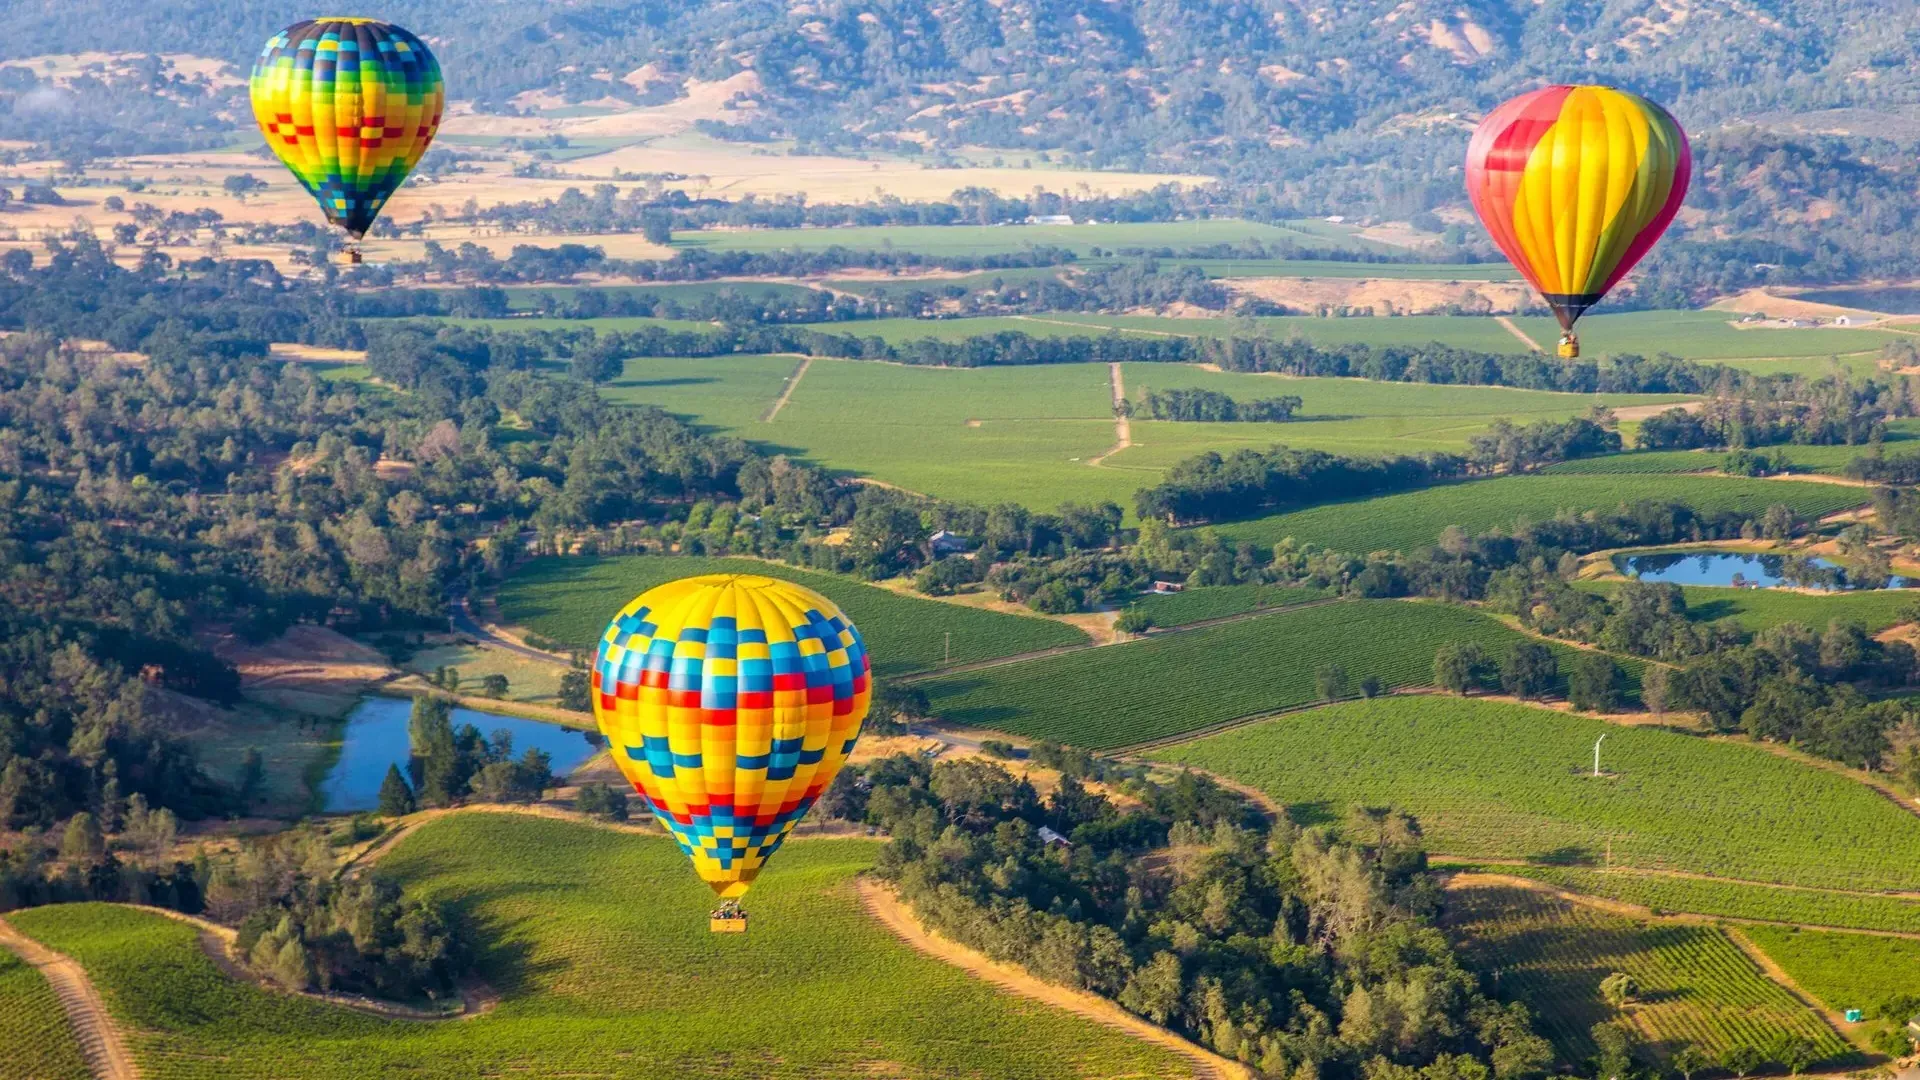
[[307, 669], [883, 905], [1385, 296]]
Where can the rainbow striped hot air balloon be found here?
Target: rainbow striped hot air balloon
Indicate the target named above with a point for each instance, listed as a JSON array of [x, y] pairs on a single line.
[[349, 106], [1575, 184], [730, 701]]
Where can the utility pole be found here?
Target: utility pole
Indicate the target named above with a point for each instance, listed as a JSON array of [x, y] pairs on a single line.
[[1596, 755]]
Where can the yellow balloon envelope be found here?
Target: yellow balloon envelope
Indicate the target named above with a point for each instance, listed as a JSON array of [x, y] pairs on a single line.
[[731, 701]]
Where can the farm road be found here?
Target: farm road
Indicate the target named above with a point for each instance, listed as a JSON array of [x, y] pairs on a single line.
[[1122, 427], [100, 1042]]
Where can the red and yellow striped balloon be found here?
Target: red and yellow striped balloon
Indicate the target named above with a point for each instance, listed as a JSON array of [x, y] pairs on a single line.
[[1576, 183]]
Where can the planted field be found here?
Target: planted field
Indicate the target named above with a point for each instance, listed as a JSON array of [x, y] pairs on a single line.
[[899, 331], [534, 298], [1476, 332], [1845, 971], [607, 325], [1004, 239], [1732, 899], [1490, 779], [1219, 601], [1124, 694], [33, 1028], [571, 600], [1414, 519], [597, 942], [1704, 335], [1696, 986], [726, 393], [1640, 463], [1758, 609]]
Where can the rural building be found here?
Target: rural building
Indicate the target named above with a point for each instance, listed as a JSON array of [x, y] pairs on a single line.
[[946, 543], [1169, 586], [1049, 219], [1053, 839]]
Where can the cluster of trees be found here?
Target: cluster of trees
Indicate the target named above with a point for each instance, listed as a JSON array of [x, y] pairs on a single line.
[[1245, 483], [1829, 411], [1212, 405], [449, 765], [1299, 952]]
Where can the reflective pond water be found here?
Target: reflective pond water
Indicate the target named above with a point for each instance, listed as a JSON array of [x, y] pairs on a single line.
[[1740, 568], [376, 737]]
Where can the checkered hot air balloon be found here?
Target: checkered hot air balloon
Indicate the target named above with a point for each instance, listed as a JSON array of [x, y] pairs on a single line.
[[1575, 184], [730, 702], [349, 105]]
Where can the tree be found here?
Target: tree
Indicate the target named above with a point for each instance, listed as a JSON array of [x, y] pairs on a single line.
[[494, 686], [1597, 684], [1371, 686], [1741, 1059], [1689, 1059], [396, 795], [1331, 681], [602, 800], [1529, 670], [1619, 989], [576, 689], [1614, 1061], [1458, 666], [1133, 620], [1796, 1052], [253, 774], [1154, 990], [1656, 689], [82, 842]]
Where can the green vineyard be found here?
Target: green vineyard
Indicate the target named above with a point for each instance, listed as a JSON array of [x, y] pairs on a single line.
[[572, 600], [1490, 779], [598, 943], [1734, 899], [1845, 971], [1695, 985], [36, 1043], [1125, 694]]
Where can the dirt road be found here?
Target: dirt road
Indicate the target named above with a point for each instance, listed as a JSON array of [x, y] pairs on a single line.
[[100, 1042]]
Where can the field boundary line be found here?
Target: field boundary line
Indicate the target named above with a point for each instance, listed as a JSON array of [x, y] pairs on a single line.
[[93, 1027], [1514, 329], [886, 907], [1632, 910], [786, 393], [1157, 634], [1771, 970], [1122, 425]]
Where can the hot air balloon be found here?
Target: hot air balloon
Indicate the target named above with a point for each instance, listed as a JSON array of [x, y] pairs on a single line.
[[730, 702], [1575, 184], [349, 105]]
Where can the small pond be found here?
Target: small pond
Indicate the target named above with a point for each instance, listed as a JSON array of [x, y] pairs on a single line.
[[1740, 568], [376, 737]]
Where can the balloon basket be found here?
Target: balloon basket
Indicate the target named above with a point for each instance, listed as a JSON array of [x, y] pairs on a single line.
[[350, 257], [1569, 348], [727, 919]]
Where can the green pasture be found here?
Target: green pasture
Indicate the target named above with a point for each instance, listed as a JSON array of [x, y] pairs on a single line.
[[726, 393], [1730, 899], [1491, 779], [1220, 601], [1695, 985], [1182, 681], [1412, 519], [1758, 609], [34, 1029], [571, 600], [598, 945], [1703, 335]]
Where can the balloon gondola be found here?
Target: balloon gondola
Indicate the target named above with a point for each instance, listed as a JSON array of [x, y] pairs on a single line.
[[349, 106], [730, 702], [1575, 184]]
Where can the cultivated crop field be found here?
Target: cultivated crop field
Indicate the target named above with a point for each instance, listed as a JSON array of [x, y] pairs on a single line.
[[1414, 519], [1845, 971], [1004, 239], [1218, 601], [1696, 986], [1703, 335], [1732, 899], [1476, 332], [1758, 609], [1491, 779], [597, 942], [1124, 694], [33, 1028], [531, 297], [727, 393], [572, 600], [606, 325]]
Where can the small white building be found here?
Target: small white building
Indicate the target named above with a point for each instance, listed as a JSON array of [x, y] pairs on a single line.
[[1053, 839], [1050, 219]]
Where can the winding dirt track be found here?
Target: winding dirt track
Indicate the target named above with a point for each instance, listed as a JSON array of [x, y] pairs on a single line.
[[100, 1042], [883, 905]]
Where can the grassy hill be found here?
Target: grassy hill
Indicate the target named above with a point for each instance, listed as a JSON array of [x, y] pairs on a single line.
[[598, 943], [1164, 685], [1490, 779], [33, 1028], [572, 600]]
